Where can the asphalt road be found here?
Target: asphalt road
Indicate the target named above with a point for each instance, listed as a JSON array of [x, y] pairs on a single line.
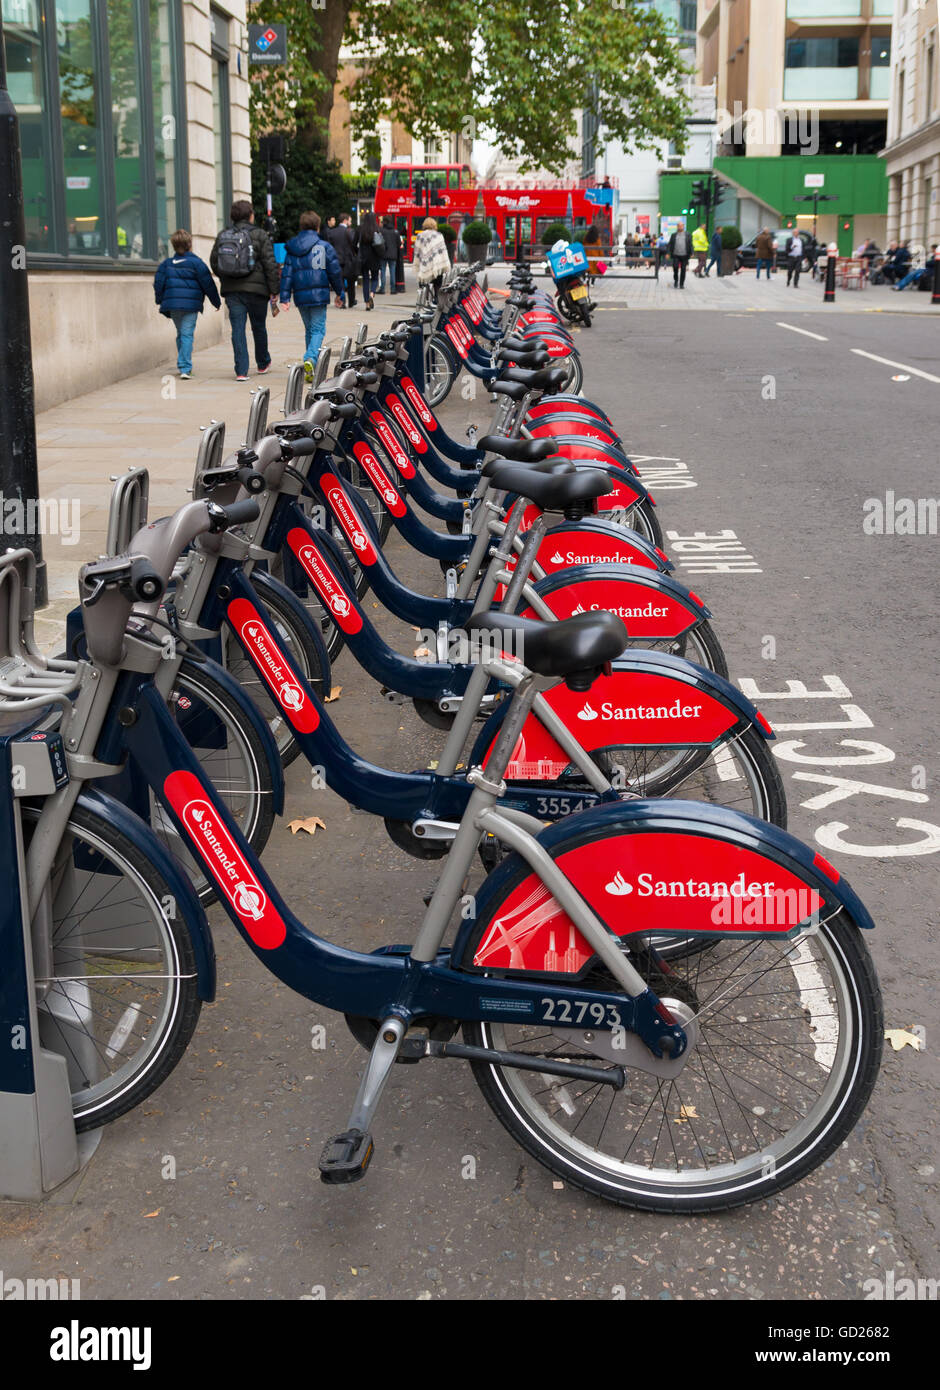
[[786, 466]]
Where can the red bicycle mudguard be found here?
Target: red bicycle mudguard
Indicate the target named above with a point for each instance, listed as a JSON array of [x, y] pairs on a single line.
[[691, 870]]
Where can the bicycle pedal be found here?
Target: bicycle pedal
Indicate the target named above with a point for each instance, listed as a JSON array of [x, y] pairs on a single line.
[[346, 1156]]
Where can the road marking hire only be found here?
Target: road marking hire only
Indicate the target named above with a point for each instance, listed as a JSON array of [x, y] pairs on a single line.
[[901, 366], [805, 331]]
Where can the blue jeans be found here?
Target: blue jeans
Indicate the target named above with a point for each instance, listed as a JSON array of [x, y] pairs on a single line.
[[379, 283], [184, 321], [762, 262], [242, 307], [912, 278], [314, 321]]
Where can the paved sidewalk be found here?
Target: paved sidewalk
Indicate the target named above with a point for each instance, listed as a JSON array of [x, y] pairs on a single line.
[[154, 419]]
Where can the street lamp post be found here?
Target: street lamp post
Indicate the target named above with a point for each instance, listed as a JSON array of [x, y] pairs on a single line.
[[19, 469], [815, 198]]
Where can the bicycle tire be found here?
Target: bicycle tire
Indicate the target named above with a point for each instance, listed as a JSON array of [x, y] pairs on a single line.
[[63, 1001], [292, 633], [852, 1071], [440, 369]]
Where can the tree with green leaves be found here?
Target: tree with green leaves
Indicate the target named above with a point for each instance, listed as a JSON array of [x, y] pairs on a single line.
[[516, 69]]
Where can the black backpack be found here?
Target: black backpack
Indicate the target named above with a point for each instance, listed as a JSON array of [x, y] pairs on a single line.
[[235, 252]]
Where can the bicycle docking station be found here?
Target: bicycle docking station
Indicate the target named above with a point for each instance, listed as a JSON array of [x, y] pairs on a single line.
[[39, 1148]]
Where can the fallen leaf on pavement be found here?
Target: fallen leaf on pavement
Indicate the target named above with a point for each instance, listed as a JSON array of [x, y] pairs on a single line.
[[312, 824], [334, 694], [900, 1037]]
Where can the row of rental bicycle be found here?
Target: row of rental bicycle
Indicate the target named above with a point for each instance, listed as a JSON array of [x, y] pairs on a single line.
[[664, 996]]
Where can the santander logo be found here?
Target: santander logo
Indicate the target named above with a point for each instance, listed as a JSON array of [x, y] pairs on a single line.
[[380, 479], [405, 423], [391, 445], [618, 887], [212, 841], [558, 558], [268, 659], [347, 519], [649, 886], [418, 403], [588, 713], [324, 581]]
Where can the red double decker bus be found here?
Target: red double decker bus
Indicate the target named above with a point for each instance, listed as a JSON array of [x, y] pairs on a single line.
[[409, 193]]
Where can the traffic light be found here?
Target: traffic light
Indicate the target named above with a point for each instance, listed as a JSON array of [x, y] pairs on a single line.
[[719, 189], [700, 194]]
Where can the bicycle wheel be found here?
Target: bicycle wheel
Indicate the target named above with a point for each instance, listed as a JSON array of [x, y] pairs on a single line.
[[641, 517], [296, 640], [741, 775], [231, 755], [117, 993], [699, 645], [440, 370], [786, 1044], [575, 375]]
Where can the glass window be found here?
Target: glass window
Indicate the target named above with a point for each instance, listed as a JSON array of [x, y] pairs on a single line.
[[79, 114], [396, 180], [881, 51], [27, 86], [822, 53], [434, 178], [125, 129], [169, 151], [223, 143], [221, 117]]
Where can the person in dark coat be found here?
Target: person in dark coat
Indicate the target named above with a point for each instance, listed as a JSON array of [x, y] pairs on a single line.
[[341, 239], [680, 249], [246, 292], [714, 252], [389, 257], [310, 268], [371, 252], [181, 286]]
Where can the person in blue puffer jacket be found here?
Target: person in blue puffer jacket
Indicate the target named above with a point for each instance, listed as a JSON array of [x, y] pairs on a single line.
[[181, 285], [310, 268]]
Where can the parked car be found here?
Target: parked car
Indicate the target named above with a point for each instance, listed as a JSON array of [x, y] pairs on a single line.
[[747, 254]]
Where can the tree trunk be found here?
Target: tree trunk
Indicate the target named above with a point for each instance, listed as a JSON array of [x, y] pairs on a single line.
[[322, 49]]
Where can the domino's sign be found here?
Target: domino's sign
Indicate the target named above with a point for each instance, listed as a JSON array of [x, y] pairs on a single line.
[[267, 43]]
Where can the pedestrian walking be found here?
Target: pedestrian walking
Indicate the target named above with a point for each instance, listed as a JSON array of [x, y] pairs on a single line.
[[765, 251], [430, 256], [714, 252], [243, 260], [680, 249], [343, 242], [795, 251], [310, 268], [371, 249], [181, 286], [700, 248], [389, 267]]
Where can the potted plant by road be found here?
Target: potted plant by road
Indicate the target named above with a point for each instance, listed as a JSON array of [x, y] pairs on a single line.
[[476, 238], [450, 236], [731, 239], [555, 231]]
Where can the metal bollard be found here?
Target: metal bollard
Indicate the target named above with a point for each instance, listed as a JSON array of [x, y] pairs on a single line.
[[832, 255]]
